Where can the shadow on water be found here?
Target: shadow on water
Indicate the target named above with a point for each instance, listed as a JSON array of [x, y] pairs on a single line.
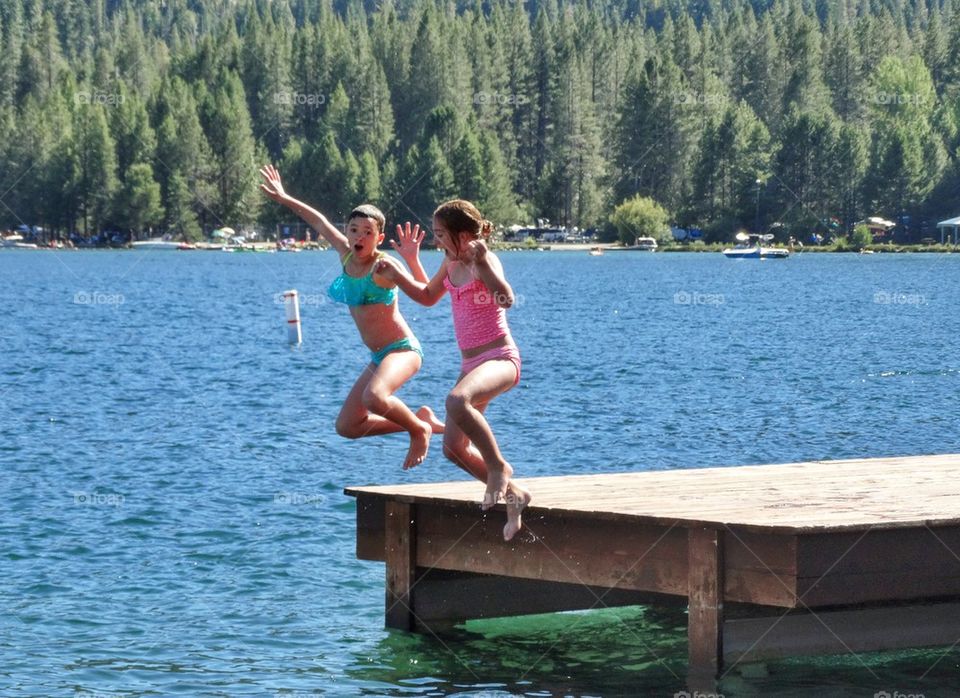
[[636, 651], [601, 652]]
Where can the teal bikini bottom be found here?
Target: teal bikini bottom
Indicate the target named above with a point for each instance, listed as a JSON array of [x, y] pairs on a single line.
[[405, 344]]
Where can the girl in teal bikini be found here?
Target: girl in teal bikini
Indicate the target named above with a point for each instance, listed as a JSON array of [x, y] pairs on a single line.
[[372, 408]]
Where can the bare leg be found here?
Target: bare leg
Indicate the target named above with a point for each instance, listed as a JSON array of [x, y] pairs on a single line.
[[378, 397], [457, 448], [481, 385], [355, 421], [372, 409]]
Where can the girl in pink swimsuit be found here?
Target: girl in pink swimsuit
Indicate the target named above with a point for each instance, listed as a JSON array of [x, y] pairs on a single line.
[[490, 364]]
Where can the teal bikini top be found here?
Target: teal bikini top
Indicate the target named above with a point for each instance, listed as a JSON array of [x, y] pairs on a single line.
[[353, 290]]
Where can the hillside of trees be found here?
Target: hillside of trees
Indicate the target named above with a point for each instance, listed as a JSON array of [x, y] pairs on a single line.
[[155, 115]]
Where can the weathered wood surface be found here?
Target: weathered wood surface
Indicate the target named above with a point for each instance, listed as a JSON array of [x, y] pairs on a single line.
[[401, 555], [705, 593], [815, 496], [841, 632]]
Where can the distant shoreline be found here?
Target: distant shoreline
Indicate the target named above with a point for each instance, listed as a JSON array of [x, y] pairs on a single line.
[[719, 247], [563, 247]]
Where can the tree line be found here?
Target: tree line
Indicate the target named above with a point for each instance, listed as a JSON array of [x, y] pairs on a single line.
[[791, 115]]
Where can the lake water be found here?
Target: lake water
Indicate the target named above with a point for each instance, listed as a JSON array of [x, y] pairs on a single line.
[[173, 521]]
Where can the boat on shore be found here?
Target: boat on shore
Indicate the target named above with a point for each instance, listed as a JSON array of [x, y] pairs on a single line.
[[750, 246]]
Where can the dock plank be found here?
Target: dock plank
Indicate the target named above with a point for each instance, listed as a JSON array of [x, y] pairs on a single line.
[[813, 496]]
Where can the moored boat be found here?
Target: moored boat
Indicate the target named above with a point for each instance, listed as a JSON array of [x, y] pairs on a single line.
[[750, 246], [155, 244]]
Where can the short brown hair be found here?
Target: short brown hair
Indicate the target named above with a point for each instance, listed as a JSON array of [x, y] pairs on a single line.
[[369, 211]]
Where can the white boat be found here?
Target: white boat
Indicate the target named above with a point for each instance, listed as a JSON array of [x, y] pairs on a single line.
[[15, 242], [596, 251], [641, 245], [750, 246], [155, 244]]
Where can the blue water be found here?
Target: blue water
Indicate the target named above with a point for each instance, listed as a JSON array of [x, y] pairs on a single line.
[[172, 519]]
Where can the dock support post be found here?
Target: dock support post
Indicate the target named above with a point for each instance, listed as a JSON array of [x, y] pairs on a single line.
[[401, 558], [705, 599]]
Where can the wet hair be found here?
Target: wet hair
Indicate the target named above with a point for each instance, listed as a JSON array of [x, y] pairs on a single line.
[[462, 218], [369, 211]]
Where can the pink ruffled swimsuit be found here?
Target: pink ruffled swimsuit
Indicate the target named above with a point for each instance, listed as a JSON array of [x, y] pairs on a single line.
[[478, 320]]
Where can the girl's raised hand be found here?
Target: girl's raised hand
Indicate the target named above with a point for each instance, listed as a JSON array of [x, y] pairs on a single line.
[[475, 252], [387, 269], [272, 186], [408, 241]]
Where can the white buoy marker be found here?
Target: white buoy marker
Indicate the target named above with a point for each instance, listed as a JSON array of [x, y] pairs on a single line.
[[291, 301]]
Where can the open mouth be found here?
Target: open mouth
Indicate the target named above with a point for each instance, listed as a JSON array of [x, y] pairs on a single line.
[[358, 247]]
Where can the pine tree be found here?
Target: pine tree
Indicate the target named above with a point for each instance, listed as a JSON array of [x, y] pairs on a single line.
[[41, 62], [468, 166], [733, 155], [496, 198], [908, 154], [96, 163], [182, 148], [10, 36], [369, 187], [137, 203], [803, 173], [180, 217], [272, 97], [235, 154], [130, 127]]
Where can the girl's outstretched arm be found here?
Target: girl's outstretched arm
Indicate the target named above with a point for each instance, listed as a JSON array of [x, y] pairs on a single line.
[[273, 187], [407, 246], [490, 272], [423, 293]]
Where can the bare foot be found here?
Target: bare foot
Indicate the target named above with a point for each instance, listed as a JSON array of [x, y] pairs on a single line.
[[428, 416], [419, 444], [517, 498], [497, 483]]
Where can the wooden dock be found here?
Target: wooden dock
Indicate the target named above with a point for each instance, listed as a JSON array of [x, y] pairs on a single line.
[[818, 557]]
